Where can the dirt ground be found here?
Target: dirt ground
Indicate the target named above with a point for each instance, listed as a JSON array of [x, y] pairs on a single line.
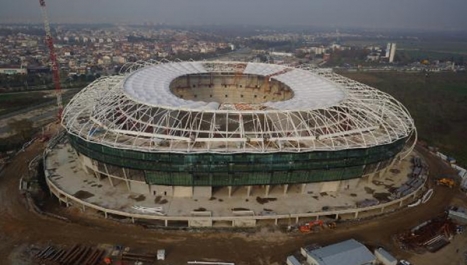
[[20, 229]]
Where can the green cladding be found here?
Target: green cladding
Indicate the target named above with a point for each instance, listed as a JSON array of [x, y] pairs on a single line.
[[212, 169]]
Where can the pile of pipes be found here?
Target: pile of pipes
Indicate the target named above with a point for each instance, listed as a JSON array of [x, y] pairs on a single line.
[[77, 255]]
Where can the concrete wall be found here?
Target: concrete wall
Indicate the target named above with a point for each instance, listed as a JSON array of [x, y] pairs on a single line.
[[139, 187], [86, 162], [314, 188], [244, 223], [160, 190], [330, 186], [200, 223], [180, 191], [202, 192], [349, 184]]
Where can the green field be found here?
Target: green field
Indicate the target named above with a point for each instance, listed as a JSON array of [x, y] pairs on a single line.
[[437, 102], [409, 50]]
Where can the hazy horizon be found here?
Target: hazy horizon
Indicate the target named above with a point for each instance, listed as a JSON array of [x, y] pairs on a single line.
[[396, 14]]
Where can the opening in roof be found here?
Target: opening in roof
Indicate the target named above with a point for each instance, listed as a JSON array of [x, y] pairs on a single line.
[[230, 88]]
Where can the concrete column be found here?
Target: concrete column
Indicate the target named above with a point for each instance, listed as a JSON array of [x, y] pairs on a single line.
[[248, 191], [110, 181], [97, 175], [108, 176], [371, 177], [378, 174], [230, 191], [296, 220], [356, 215], [382, 209], [337, 216], [303, 188], [401, 203], [275, 221], [268, 187], [286, 187], [166, 222], [84, 208], [105, 214], [133, 220], [385, 171], [127, 183], [106, 170]]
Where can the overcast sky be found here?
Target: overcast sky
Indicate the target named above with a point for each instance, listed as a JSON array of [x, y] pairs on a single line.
[[413, 14]]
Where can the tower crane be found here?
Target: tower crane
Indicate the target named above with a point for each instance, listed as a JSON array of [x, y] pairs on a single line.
[[53, 59]]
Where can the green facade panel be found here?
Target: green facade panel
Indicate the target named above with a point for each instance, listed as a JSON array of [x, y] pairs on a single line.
[[210, 169]]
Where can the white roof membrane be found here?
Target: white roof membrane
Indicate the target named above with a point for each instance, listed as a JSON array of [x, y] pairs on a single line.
[[151, 86]]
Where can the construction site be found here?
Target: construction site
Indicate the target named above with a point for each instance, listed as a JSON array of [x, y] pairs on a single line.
[[224, 157], [102, 237]]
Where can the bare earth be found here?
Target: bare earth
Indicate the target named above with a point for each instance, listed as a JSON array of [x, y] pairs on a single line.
[[20, 228]]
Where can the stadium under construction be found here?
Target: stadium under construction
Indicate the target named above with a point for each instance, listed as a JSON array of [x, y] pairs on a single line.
[[202, 129]]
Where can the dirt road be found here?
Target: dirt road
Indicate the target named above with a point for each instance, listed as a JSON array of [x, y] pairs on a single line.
[[20, 226]]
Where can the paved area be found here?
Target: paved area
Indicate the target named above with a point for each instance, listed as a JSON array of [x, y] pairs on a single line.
[[68, 175]]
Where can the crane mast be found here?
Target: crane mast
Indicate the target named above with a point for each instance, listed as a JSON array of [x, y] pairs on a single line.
[[53, 59]]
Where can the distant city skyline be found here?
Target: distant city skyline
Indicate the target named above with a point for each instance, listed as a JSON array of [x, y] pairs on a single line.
[[394, 14]]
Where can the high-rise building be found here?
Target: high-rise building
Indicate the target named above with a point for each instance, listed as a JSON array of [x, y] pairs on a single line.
[[392, 53], [388, 50]]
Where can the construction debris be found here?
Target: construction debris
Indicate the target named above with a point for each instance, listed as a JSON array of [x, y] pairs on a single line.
[[431, 235]]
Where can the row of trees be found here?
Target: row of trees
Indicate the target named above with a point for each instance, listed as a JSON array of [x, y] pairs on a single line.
[[42, 81]]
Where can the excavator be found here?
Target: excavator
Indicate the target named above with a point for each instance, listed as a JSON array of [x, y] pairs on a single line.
[[446, 182], [308, 227]]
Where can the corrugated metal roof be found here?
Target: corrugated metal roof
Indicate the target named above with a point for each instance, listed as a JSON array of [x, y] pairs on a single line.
[[350, 252]]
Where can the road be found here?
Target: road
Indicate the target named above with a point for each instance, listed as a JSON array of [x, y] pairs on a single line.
[[39, 114], [18, 226]]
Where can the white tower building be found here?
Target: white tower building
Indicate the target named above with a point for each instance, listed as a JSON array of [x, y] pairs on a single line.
[[393, 52]]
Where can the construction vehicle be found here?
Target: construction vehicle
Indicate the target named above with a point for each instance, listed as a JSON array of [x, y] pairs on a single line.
[[107, 261], [331, 225], [53, 59], [446, 182], [308, 227]]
